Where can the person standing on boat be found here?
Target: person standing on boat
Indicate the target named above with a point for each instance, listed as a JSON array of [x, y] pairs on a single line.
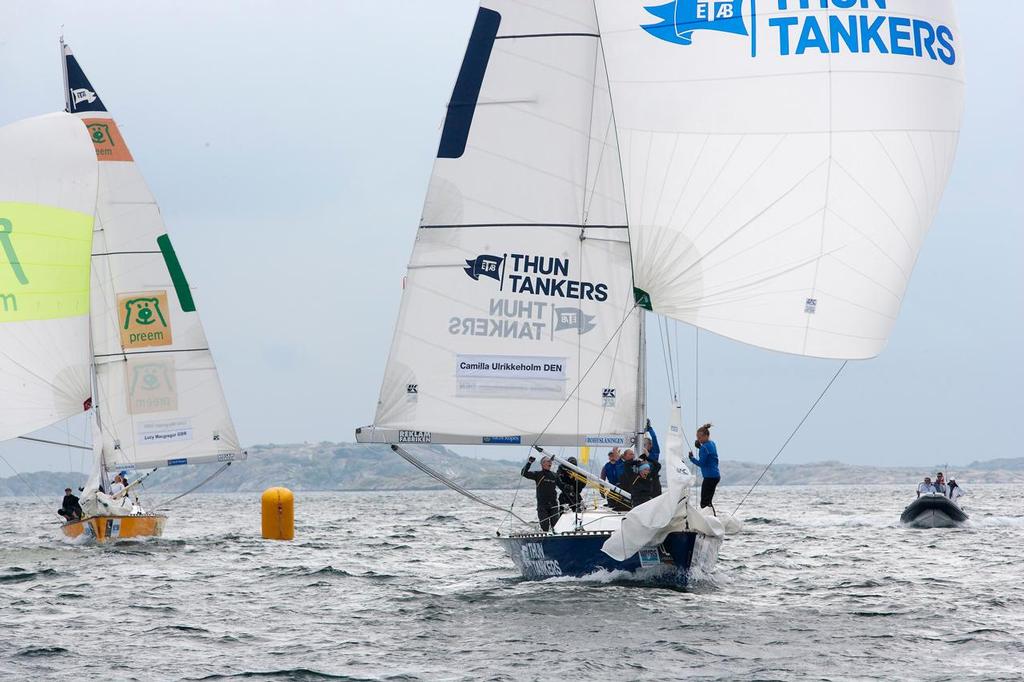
[[925, 488], [652, 453], [571, 488], [707, 460], [612, 470], [70, 508], [940, 484], [643, 485], [630, 464], [955, 492], [547, 491]]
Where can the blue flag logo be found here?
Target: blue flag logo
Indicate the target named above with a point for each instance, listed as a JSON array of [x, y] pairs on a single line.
[[573, 318], [681, 18], [488, 266]]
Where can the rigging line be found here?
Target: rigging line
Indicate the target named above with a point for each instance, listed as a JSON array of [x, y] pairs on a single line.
[[209, 478], [827, 387], [664, 358], [22, 479], [54, 442], [585, 375], [422, 466], [696, 376], [671, 361]]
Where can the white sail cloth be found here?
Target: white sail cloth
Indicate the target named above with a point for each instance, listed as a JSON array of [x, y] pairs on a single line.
[[48, 181], [517, 317], [782, 167], [159, 396]]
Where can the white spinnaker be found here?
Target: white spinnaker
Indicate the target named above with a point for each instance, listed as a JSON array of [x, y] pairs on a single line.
[[47, 198], [527, 169], [782, 199], [159, 395]]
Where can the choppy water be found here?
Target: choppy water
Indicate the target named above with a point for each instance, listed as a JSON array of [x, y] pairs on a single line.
[[823, 585]]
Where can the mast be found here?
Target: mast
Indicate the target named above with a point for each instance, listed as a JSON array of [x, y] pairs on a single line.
[[641, 381]]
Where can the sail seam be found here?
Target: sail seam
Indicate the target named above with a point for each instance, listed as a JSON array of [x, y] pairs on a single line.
[[549, 35], [578, 226], [146, 352]]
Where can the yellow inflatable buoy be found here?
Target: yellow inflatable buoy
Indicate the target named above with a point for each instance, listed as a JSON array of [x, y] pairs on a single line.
[[278, 514]]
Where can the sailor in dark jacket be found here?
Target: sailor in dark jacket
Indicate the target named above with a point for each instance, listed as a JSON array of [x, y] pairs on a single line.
[[643, 486], [629, 474], [571, 488], [547, 491], [70, 508]]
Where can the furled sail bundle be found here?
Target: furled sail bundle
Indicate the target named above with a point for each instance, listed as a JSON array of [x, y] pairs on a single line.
[[47, 199], [783, 159], [158, 394]]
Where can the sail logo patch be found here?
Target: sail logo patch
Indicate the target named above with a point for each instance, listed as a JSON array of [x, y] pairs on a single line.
[[145, 319], [424, 437], [79, 95], [573, 318], [797, 27], [534, 276], [679, 19], [166, 431], [44, 262], [151, 385], [107, 140]]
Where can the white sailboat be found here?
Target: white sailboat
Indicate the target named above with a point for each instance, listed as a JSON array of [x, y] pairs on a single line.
[[134, 353], [767, 177]]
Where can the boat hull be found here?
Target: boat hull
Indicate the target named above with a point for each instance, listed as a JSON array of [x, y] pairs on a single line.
[[932, 511], [539, 556], [111, 528]]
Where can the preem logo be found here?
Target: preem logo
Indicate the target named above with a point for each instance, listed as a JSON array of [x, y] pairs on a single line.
[[151, 385], [144, 319], [850, 27], [107, 139], [8, 300], [79, 95]]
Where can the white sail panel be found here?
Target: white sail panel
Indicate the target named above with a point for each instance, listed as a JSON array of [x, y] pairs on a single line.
[[783, 160], [519, 288], [47, 199], [159, 398], [477, 359]]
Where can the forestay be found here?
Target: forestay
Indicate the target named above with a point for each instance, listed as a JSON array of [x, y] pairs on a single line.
[[783, 159], [159, 397], [519, 289], [47, 199]]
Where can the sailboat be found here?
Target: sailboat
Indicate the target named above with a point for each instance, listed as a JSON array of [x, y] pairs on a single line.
[[769, 178], [129, 348]]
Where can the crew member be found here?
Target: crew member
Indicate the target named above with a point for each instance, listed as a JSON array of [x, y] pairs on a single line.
[[707, 460], [955, 492], [612, 470], [940, 484], [547, 491], [570, 488], [70, 509], [925, 488], [652, 454], [629, 474], [643, 485]]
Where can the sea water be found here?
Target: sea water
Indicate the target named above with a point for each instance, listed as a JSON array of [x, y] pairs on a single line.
[[823, 584]]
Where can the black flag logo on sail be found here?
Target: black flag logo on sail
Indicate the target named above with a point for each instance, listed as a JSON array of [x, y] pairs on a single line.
[[573, 318], [488, 266]]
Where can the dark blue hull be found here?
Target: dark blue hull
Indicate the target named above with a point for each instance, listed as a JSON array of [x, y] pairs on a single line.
[[539, 556]]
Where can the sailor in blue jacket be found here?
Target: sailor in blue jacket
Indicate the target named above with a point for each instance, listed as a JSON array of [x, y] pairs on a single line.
[[707, 460]]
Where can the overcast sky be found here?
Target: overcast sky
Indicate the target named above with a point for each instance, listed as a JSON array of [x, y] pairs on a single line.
[[289, 146]]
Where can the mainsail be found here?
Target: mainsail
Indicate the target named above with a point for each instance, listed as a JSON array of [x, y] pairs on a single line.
[[517, 321], [47, 198], [159, 398], [783, 160]]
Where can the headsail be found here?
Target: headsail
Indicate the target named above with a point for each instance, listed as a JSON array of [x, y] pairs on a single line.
[[519, 288], [159, 394], [783, 160], [47, 199]]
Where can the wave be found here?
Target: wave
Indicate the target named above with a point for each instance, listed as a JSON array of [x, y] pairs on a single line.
[[20, 575], [42, 651], [298, 674]]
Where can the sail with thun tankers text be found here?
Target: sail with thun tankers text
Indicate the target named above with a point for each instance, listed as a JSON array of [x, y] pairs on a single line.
[[47, 200], [159, 397], [783, 160], [517, 317]]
